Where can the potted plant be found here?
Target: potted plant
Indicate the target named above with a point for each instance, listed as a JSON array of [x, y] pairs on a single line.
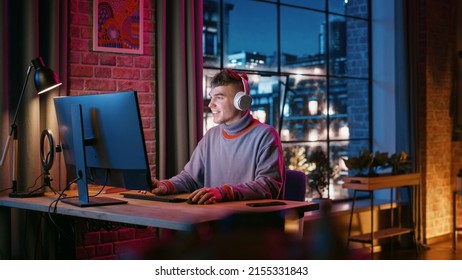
[[367, 164], [360, 165], [319, 171], [317, 168], [364, 171]]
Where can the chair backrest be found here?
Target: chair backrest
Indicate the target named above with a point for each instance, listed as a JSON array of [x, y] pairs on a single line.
[[295, 185]]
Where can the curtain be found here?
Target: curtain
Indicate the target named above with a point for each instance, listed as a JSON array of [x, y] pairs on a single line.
[[415, 25], [179, 103], [29, 29]]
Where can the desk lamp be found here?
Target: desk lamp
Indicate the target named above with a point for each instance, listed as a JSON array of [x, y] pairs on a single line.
[[45, 80]]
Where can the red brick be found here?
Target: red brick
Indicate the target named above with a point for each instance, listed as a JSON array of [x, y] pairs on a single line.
[[81, 19], [126, 233], [74, 58], [103, 72], [81, 71], [147, 110], [109, 236], [92, 238], [140, 86], [80, 45], [146, 98], [86, 33], [143, 62], [148, 74], [85, 7], [85, 253], [104, 249], [74, 32], [108, 59], [149, 134], [100, 85], [126, 73], [127, 246], [90, 58], [125, 61], [76, 83]]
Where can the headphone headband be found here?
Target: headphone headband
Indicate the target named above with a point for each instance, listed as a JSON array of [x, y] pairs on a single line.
[[245, 83], [243, 100]]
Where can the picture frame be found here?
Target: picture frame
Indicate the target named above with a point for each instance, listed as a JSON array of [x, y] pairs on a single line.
[[118, 26]]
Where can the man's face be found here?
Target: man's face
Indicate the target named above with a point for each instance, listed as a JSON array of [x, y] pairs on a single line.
[[222, 106]]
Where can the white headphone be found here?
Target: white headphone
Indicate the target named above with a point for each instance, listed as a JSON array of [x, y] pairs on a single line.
[[243, 100]]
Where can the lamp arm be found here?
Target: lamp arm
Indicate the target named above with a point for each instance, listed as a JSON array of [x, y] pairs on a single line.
[[5, 149], [13, 125], [20, 99]]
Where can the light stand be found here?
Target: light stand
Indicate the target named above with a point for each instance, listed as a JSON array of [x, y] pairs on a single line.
[[45, 79]]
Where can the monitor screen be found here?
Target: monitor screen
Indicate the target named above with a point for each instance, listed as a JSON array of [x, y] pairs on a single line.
[[103, 143]]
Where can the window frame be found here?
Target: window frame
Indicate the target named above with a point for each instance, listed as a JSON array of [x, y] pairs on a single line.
[[284, 74]]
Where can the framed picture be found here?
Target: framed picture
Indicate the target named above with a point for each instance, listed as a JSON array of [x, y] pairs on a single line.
[[118, 26]]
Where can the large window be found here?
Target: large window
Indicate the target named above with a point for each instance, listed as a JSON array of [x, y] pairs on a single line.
[[309, 71]]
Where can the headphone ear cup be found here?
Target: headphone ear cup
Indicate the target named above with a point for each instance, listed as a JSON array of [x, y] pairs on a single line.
[[242, 101]]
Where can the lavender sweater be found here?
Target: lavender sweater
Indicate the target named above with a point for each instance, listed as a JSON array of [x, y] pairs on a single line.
[[243, 160]]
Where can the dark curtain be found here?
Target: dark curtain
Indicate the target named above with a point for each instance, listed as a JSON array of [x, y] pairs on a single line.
[[179, 103], [456, 100], [415, 54], [29, 29]]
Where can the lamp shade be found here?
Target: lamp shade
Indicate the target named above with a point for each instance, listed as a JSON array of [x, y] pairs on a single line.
[[45, 79]]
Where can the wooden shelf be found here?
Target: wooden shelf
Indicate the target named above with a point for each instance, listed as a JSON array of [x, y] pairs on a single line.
[[383, 233], [381, 182]]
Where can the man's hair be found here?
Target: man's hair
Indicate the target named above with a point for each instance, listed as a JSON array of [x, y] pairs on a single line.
[[227, 77]]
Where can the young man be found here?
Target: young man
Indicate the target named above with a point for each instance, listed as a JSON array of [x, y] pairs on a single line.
[[240, 159]]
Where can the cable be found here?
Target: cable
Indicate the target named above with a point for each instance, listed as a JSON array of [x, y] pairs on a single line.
[[61, 195], [35, 183], [4, 190], [104, 185], [55, 202]]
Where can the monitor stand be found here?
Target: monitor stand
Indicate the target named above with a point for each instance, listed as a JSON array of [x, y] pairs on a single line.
[[92, 201], [83, 200]]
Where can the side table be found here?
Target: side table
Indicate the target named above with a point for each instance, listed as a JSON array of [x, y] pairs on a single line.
[[371, 184]]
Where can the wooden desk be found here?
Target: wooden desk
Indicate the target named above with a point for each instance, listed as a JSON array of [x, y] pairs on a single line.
[[175, 216]]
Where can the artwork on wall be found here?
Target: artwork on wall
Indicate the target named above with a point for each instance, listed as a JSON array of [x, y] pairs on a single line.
[[118, 26]]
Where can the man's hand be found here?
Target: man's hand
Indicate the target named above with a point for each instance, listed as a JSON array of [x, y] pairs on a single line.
[[158, 188], [206, 195]]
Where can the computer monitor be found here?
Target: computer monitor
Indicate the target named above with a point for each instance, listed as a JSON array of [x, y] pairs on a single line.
[[103, 144]]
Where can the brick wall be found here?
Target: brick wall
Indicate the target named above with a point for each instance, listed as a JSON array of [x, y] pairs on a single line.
[[124, 243], [99, 72], [441, 155]]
